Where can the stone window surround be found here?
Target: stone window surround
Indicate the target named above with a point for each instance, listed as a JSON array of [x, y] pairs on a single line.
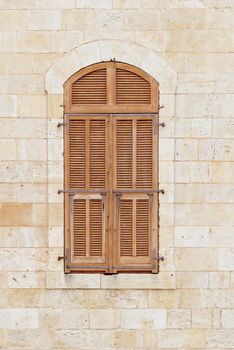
[[147, 60]]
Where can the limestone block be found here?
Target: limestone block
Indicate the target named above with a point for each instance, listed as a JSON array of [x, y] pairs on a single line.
[[96, 299], [186, 259], [55, 214], [79, 19], [202, 214], [32, 106], [23, 66], [3, 82], [104, 319], [64, 41], [182, 127], [186, 41], [29, 337], [3, 284], [123, 35], [142, 20], [33, 149], [15, 128], [160, 298], [220, 339], [226, 259], [25, 84], [216, 318], [128, 299], [178, 318], [186, 149], [12, 20], [21, 4], [212, 149], [143, 319], [200, 172], [152, 39], [136, 4], [223, 128], [56, 4], [54, 106], [26, 279], [166, 171], [182, 172], [125, 339], [8, 106], [196, 83], [23, 237], [186, 3], [54, 132], [219, 280], [166, 234], [3, 337], [219, 41], [56, 237], [166, 147], [15, 172], [43, 20], [43, 61], [177, 19], [103, 4], [7, 149], [17, 259], [19, 318], [16, 214], [49, 318], [218, 193], [74, 318], [58, 280], [33, 41], [55, 149], [224, 83], [139, 281], [190, 193], [201, 127], [53, 196], [55, 172], [112, 19], [53, 263], [99, 339], [192, 279], [166, 214], [8, 41], [39, 172], [28, 193]]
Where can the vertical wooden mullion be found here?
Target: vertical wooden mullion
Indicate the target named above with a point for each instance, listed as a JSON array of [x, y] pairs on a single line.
[[87, 152], [134, 226], [87, 227], [110, 81], [134, 153]]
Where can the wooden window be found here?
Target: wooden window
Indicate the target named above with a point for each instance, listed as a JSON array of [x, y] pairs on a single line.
[[111, 186]]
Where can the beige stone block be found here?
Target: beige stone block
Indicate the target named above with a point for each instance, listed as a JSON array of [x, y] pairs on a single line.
[[55, 172], [26, 279], [139, 281], [9, 66], [3, 337], [97, 299], [177, 19], [43, 61], [171, 339], [221, 172], [73, 318], [201, 172], [49, 318], [186, 41], [21, 4], [152, 39], [55, 214], [169, 130], [33, 149], [53, 196], [79, 19], [3, 82], [64, 41], [216, 318], [166, 214], [55, 109], [112, 19], [58, 280], [12, 20], [8, 41], [142, 20], [219, 280], [23, 237], [217, 193], [226, 259], [123, 35], [15, 172], [17, 259], [143, 319], [166, 171], [89, 53], [55, 132], [32, 106], [167, 299], [55, 149], [166, 234], [53, 263], [39, 172], [8, 106], [100, 338], [218, 4], [216, 149], [32, 193], [7, 149], [137, 4], [39, 214], [33, 41], [43, 20], [25, 84], [192, 279], [190, 193], [56, 237], [182, 127], [223, 128], [202, 214], [103, 4], [128, 299], [219, 40], [104, 319], [186, 4], [221, 339], [14, 128], [186, 259], [201, 127], [178, 318], [126, 338], [16, 214], [186, 149], [166, 147], [3, 284], [196, 83], [182, 172], [56, 4]]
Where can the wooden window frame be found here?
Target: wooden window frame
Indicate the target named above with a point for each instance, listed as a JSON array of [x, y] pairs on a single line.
[[110, 110]]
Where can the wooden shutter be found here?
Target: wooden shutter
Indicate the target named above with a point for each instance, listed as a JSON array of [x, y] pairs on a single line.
[[134, 185], [87, 180]]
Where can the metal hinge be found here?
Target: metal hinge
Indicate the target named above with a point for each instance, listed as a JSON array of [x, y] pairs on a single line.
[[61, 124], [62, 257], [159, 258]]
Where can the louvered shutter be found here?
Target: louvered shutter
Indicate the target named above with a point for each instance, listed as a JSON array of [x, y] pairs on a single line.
[[136, 201], [87, 180]]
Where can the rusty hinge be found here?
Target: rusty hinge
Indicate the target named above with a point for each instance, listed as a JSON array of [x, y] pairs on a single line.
[[159, 258], [61, 124], [60, 257]]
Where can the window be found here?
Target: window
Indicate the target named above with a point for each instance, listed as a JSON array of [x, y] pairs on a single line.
[[111, 186]]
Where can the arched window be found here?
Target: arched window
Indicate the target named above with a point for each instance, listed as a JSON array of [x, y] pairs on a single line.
[[111, 186]]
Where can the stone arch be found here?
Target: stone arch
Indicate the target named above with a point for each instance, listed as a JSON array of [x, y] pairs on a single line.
[[106, 50]]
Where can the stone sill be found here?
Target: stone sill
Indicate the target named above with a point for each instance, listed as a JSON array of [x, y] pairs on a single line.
[[58, 280]]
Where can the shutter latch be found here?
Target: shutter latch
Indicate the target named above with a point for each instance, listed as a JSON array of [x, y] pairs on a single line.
[[62, 257], [159, 258], [61, 124]]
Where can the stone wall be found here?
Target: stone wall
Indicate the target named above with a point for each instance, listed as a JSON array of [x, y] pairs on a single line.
[[187, 45]]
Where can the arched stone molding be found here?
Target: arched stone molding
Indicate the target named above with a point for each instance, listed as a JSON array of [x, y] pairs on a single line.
[[106, 50]]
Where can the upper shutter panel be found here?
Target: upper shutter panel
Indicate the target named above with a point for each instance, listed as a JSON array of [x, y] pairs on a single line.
[[131, 88], [90, 88]]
